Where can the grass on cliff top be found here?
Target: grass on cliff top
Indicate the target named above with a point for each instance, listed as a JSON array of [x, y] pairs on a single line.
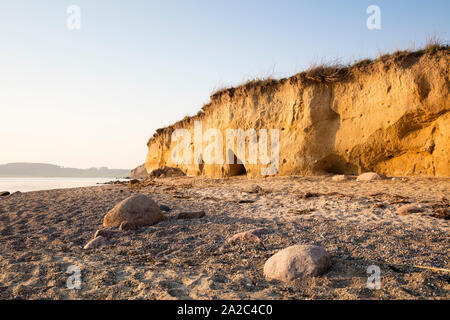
[[327, 72]]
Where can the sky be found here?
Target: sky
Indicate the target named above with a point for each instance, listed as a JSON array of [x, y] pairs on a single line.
[[93, 97]]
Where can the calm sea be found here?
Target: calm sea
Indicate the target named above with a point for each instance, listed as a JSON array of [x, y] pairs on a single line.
[[36, 184]]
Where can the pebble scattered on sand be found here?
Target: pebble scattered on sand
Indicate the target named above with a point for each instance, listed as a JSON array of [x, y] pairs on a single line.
[[127, 226], [409, 209], [190, 215], [248, 236], [253, 189], [341, 177], [108, 234], [164, 208], [95, 243], [369, 176]]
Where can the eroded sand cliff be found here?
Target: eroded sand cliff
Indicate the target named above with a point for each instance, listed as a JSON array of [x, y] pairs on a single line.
[[390, 115]]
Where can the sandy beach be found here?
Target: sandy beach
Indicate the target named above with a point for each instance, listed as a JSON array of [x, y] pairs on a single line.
[[43, 233]]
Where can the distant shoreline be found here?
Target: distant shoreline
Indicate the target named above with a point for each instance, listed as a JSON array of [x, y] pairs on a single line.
[[44, 170], [31, 184], [74, 177]]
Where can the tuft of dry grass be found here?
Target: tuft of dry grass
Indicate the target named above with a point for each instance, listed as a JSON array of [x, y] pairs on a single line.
[[327, 72], [255, 82], [262, 79], [363, 63], [248, 84], [434, 44]]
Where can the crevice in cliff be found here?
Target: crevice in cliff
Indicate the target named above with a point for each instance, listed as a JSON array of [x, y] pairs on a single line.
[[237, 168], [335, 164]]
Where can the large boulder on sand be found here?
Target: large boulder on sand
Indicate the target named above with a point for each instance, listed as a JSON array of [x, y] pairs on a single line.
[[138, 210], [295, 262]]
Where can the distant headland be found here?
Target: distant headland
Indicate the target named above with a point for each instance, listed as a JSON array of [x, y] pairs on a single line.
[[23, 169]]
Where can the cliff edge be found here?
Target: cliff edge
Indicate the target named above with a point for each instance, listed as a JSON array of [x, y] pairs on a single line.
[[390, 115]]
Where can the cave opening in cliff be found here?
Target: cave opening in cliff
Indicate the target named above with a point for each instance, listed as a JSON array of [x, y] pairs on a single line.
[[237, 168], [335, 164]]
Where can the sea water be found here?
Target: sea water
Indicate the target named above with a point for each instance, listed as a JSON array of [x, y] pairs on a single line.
[[36, 184]]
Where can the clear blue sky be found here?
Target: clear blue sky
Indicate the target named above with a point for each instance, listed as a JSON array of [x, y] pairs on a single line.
[[94, 96]]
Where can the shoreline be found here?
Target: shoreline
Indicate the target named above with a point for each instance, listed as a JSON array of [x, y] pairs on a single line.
[[28, 184], [42, 233]]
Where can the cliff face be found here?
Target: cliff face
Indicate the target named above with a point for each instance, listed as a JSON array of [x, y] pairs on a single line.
[[390, 116]]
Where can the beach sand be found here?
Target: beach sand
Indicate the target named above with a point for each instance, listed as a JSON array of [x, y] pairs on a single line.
[[43, 233]]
